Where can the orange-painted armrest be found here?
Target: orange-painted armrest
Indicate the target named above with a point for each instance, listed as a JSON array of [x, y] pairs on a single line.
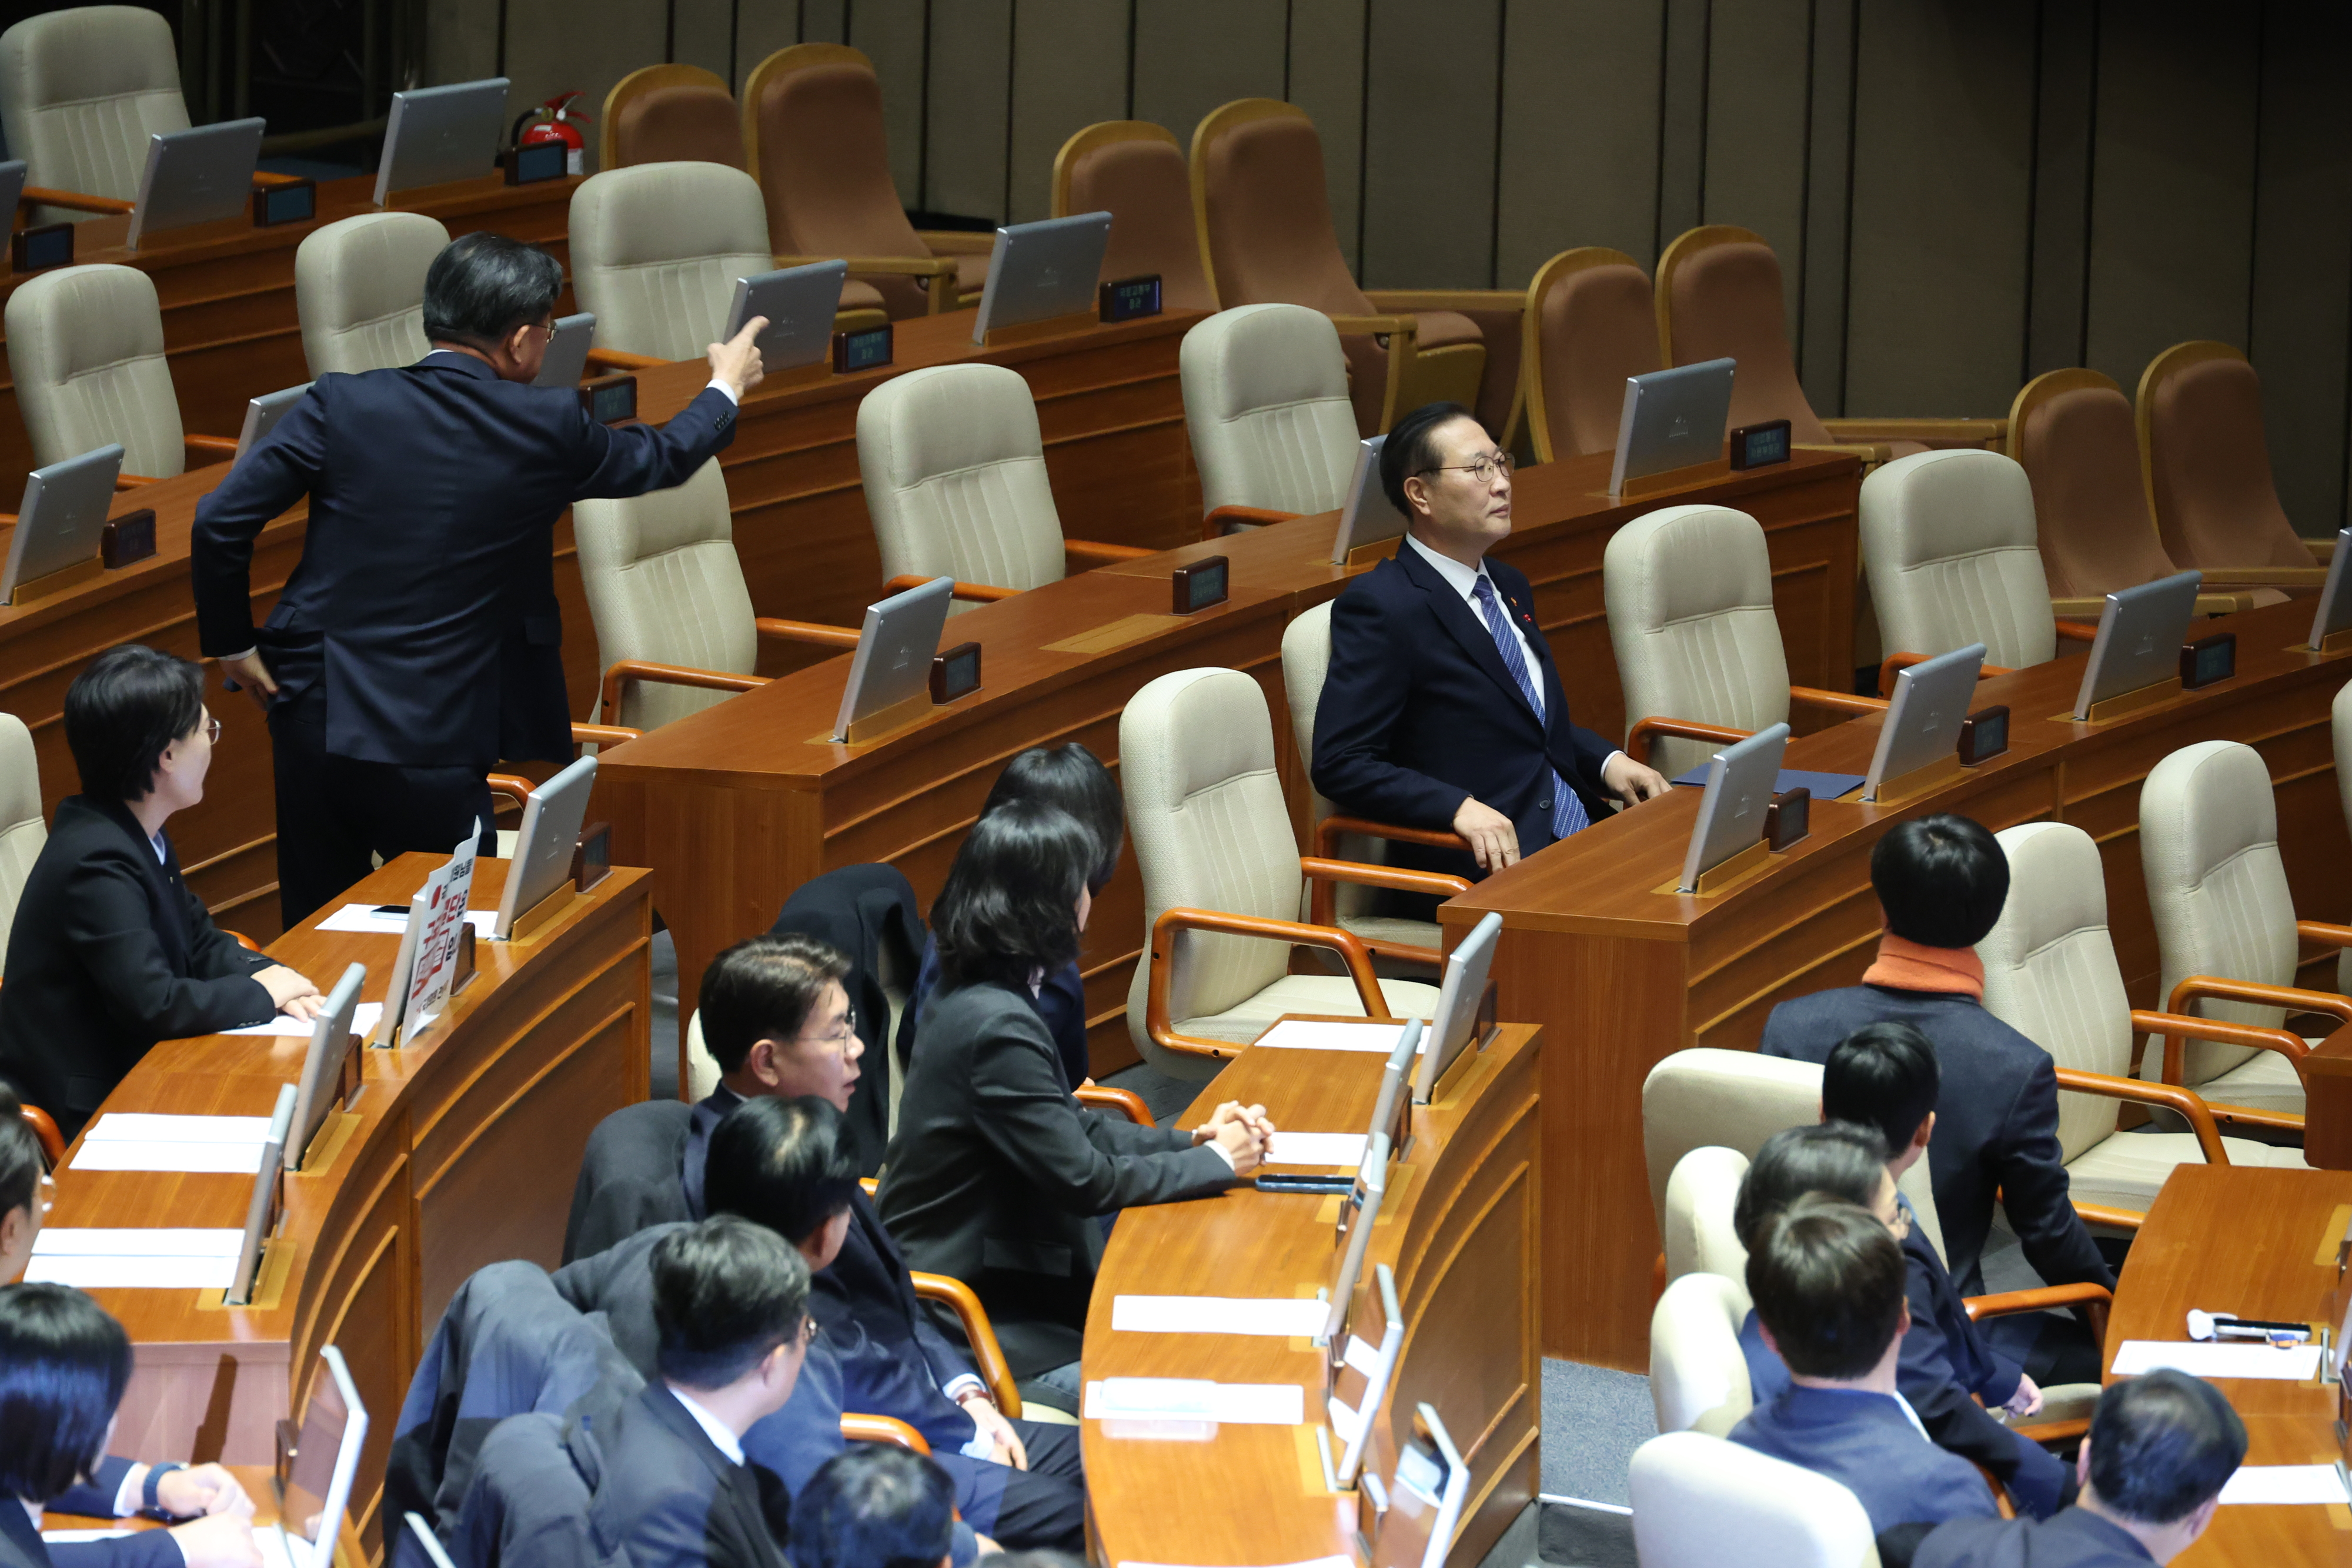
[[2321, 932], [859, 1428], [2076, 631], [132, 481], [513, 786], [1103, 554], [72, 201], [1214, 525], [617, 678], [1156, 1023], [1323, 908], [2175, 1028], [616, 359], [978, 593], [806, 631], [1125, 1102], [1839, 702], [220, 445], [2114, 1219], [242, 940], [603, 734], [1332, 829], [1644, 732], [987, 1354], [45, 1128], [2213, 988], [2096, 1298], [2171, 1096]]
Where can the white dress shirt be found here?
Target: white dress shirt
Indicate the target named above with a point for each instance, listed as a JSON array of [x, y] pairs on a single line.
[[718, 1431]]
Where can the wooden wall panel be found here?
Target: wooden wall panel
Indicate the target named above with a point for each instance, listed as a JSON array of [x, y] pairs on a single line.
[[1819, 291], [1190, 56], [702, 33], [1682, 118], [1326, 81], [1429, 131], [823, 21], [894, 34], [762, 28], [1752, 168], [2066, 80], [970, 95], [1579, 132], [1069, 71]]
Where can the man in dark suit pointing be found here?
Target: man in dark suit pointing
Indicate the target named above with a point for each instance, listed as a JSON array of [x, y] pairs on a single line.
[[417, 641], [1443, 708]]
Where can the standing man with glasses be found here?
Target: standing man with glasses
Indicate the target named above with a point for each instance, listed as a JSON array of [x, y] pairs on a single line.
[[1443, 708]]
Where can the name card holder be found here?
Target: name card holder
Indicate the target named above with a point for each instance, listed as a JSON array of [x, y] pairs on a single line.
[[1984, 734], [295, 202], [955, 673], [868, 351], [1201, 584], [611, 400], [128, 539], [2209, 661], [39, 249], [592, 857], [534, 161], [1788, 820]]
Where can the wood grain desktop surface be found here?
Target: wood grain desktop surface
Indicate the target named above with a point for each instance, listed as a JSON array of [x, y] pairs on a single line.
[[258, 1482]]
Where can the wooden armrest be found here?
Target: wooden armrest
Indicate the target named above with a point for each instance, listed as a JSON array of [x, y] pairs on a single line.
[[1934, 432], [620, 359], [603, 734], [2320, 931], [2076, 631], [2097, 1299], [882, 1429], [1329, 831], [1638, 739], [242, 940], [958, 242], [987, 1355], [2171, 1096], [2175, 1028], [1872, 452], [1323, 895], [2264, 576], [73, 200], [2113, 1218], [623, 671], [2053, 1431], [1347, 944], [806, 631], [513, 786], [1837, 702], [1895, 664], [132, 481], [1219, 522], [2214, 987], [888, 266], [45, 1128], [1125, 1103], [1103, 554], [978, 593], [219, 445], [1378, 326], [1463, 300], [2222, 603], [2322, 550]]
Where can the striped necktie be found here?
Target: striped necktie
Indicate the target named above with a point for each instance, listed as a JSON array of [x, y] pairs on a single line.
[[1566, 810]]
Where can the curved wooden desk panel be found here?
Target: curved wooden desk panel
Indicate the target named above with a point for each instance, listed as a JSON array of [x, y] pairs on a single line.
[[462, 1151], [1460, 1229]]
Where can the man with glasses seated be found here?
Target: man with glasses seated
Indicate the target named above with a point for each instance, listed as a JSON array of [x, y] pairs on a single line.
[[1443, 708]]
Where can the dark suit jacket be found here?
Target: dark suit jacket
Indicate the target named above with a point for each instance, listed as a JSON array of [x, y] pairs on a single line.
[[1996, 1124], [1061, 1001], [1865, 1443], [140, 1549], [2074, 1538], [1419, 711], [111, 952], [857, 909], [995, 1174], [669, 1498], [426, 595], [894, 1359], [527, 1503], [629, 1176], [20, 1544]]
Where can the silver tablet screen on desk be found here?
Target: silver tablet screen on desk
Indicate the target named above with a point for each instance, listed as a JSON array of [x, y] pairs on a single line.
[[1042, 270], [1456, 1023], [1924, 716], [1671, 419], [197, 176], [800, 303], [1359, 1210], [318, 1487], [552, 815], [1740, 782], [261, 417], [2140, 634], [1369, 517], [261, 1205], [2335, 612], [895, 648], [64, 511], [568, 342], [437, 134], [322, 1065]]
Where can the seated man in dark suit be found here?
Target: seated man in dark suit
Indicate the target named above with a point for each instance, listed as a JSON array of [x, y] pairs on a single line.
[[2161, 1448], [1941, 881], [873, 1505], [1442, 707], [729, 1303], [1827, 1281]]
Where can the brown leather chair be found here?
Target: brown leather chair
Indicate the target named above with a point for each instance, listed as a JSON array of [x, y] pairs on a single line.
[[2071, 431], [1720, 296], [671, 114], [813, 128], [1260, 202], [1589, 324], [1135, 170], [2207, 472]]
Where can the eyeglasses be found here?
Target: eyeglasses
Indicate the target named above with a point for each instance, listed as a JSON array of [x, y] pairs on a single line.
[[839, 1037], [810, 1329], [1900, 1226], [1481, 472], [211, 732], [49, 1194]]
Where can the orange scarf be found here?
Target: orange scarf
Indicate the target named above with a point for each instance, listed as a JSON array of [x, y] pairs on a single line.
[[1906, 966]]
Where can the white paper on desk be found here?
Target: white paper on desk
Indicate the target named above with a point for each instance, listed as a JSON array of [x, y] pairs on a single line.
[[2285, 1483], [147, 1126], [1310, 1563], [363, 1019], [79, 1537], [157, 1242], [2296, 1363], [1276, 1316], [1194, 1399], [164, 1258], [1296, 1034], [1338, 1151], [200, 1156], [363, 917]]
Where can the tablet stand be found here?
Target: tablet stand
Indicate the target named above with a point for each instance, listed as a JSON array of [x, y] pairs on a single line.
[[56, 582], [2123, 703], [1669, 480], [1051, 327], [528, 923]]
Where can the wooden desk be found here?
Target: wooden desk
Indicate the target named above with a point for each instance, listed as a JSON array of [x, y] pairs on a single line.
[[1625, 975], [2261, 1243], [256, 1481], [1458, 1227], [462, 1153]]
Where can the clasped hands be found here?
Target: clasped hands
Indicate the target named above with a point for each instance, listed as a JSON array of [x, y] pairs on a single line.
[[1244, 1132], [1496, 843], [220, 1533]]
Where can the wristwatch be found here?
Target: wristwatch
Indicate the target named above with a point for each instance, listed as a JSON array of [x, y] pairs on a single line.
[[149, 1499]]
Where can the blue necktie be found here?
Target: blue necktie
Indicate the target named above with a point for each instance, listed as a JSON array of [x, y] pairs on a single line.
[[1566, 810]]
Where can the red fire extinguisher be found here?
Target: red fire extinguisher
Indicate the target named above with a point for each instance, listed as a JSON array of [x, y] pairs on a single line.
[[557, 120]]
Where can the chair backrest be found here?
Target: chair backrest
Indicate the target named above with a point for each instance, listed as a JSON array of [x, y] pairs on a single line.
[[2217, 886], [664, 584], [1698, 1375], [1689, 594], [1700, 1198], [813, 134], [2199, 416], [1265, 401], [1306, 660], [2051, 972], [22, 831], [2072, 431], [1720, 296], [1265, 213], [1135, 172], [1589, 324], [86, 351], [671, 114], [656, 251], [1205, 812], [80, 92], [1700, 1501], [359, 291], [1948, 545], [628, 1179], [955, 477]]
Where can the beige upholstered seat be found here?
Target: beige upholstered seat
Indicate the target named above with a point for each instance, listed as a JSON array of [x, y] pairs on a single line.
[[1950, 548], [22, 831], [1590, 325], [80, 92], [86, 351], [1265, 401], [1702, 1502], [2050, 973], [1700, 1196], [1205, 809], [359, 288], [656, 251], [1698, 1375], [1135, 170]]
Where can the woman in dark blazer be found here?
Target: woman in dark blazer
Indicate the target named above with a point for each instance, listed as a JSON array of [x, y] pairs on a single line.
[[109, 952], [64, 1363], [995, 1174]]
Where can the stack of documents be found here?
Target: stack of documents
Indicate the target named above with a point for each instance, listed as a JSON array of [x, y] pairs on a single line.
[[2295, 1363], [138, 1140], [1297, 1034], [1278, 1317], [160, 1259], [1338, 1151], [1189, 1399], [363, 1019]]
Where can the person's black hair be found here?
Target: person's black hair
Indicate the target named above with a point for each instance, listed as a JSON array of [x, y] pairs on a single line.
[[1837, 1159], [1411, 448], [2161, 1444], [21, 1163], [726, 1294], [483, 286], [1010, 902], [1074, 779], [873, 1505], [788, 1164], [64, 1363], [1827, 1278], [763, 987], [1941, 880], [123, 711], [1883, 1075]]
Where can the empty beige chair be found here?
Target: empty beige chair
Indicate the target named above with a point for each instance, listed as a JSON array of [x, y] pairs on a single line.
[[22, 831], [2050, 973], [2225, 926], [1222, 879], [1689, 594], [1701, 1195], [86, 351], [359, 288], [656, 251], [2199, 415], [1265, 402], [80, 92], [1698, 1375], [1135, 170], [1703, 1502], [1589, 324]]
